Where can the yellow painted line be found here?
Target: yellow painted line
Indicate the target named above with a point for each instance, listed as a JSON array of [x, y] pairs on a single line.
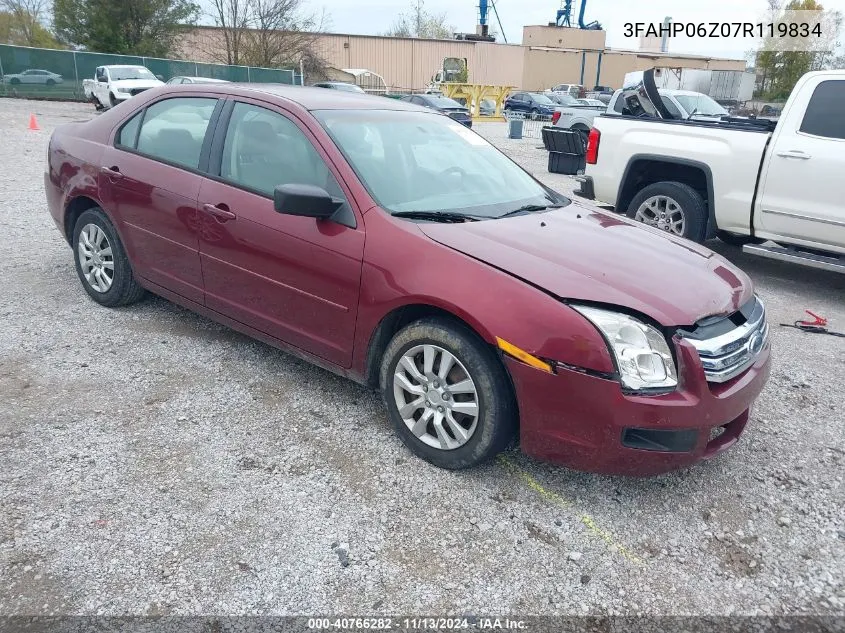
[[556, 499]]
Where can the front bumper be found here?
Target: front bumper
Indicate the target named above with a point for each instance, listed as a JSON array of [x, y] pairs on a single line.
[[587, 423]]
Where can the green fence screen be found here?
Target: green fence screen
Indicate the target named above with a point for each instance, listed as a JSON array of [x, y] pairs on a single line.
[[52, 74]]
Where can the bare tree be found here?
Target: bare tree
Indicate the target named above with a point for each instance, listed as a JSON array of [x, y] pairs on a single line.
[[420, 23], [233, 17], [28, 16]]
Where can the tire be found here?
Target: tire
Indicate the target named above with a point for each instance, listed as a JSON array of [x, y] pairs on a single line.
[[51, 82], [681, 200], [494, 426], [113, 100], [734, 239], [123, 289], [14, 81]]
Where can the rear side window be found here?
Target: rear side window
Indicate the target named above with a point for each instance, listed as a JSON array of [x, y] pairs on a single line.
[[128, 134], [825, 115], [174, 129]]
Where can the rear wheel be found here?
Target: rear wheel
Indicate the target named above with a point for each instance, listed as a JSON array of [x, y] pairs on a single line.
[[447, 394], [101, 261], [673, 207], [51, 82]]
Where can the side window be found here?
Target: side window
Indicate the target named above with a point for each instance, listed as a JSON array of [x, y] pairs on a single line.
[[128, 134], [174, 130], [825, 115], [417, 101], [263, 150], [619, 104], [673, 109], [101, 74]]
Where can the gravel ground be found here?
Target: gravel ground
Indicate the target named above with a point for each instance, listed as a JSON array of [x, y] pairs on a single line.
[[154, 462]]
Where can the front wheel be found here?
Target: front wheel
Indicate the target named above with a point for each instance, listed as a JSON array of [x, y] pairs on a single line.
[[447, 394], [673, 207], [113, 100]]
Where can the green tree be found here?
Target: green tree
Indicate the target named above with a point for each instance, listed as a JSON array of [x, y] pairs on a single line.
[[22, 24], [420, 23], [781, 69], [124, 27]]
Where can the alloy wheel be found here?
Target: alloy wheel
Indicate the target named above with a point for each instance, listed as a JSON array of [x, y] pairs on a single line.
[[95, 257], [663, 213], [436, 397]]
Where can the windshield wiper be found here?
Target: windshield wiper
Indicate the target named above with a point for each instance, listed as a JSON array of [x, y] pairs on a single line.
[[436, 216], [529, 208]]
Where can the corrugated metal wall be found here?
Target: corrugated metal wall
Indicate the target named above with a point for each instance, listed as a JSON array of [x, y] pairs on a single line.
[[409, 64]]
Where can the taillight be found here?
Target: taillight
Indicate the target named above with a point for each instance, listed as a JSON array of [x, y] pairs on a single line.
[[556, 117], [593, 146]]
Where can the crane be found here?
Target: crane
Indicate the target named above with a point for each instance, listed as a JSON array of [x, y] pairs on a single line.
[[564, 15], [483, 10]]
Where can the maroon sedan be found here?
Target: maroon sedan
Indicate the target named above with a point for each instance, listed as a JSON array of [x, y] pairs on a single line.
[[392, 245]]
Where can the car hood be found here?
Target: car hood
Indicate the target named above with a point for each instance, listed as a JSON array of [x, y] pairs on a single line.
[[587, 255]]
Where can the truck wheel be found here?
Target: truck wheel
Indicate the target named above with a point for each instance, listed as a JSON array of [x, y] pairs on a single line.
[[672, 207], [735, 239], [113, 100]]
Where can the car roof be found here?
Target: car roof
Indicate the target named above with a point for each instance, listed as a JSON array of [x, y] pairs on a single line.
[[309, 98]]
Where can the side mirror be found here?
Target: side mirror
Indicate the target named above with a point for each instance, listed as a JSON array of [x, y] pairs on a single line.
[[305, 200]]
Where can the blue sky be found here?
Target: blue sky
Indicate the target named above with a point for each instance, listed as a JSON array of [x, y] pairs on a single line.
[[375, 16]]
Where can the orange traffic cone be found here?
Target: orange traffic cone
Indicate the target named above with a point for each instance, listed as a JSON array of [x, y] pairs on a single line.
[[33, 122]]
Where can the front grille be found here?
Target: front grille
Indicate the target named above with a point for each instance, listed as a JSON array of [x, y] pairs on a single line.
[[731, 352]]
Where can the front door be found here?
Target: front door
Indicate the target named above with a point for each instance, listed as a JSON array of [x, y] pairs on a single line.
[[801, 194], [151, 182], [294, 278]]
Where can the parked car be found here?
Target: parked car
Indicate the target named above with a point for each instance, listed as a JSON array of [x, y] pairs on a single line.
[[602, 93], [178, 80], [532, 104], [593, 103], [562, 99], [33, 76], [770, 111], [573, 90], [444, 105], [115, 84], [746, 181], [393, 246], [339, 85]]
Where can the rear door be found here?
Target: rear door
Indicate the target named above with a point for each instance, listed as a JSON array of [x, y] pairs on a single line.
[[151, 179], [801, 194], [294, 278]]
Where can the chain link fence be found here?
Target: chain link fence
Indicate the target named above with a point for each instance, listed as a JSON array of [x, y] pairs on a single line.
[[532, 125], [50, 74]]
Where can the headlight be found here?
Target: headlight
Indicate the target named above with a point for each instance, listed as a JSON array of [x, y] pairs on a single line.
[[641, 351], [126, 90]]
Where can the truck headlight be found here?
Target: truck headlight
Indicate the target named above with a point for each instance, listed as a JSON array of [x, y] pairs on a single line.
[[124, 90], [641, 351]]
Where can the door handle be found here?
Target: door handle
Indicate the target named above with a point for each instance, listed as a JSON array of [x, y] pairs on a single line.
[[794, 153], [221, 212], [112, 172]]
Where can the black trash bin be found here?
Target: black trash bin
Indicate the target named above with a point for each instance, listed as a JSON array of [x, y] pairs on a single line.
[[566, 150]]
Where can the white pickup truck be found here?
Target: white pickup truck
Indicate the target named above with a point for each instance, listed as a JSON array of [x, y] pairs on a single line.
[[112, 85], [776, 188]]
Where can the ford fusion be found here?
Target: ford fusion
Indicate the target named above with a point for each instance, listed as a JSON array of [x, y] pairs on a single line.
[[394, 246]]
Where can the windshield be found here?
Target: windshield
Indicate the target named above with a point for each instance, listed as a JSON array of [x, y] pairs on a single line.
[[565, 100], [442, 102], [419, 161], [542, 99], [119, 74], [701, 105]]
